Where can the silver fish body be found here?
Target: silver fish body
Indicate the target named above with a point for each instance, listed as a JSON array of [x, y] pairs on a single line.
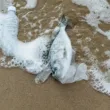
[[61, 53], [62, 58]]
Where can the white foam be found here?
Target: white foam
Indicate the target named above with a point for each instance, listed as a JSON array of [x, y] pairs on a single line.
[[107, 53], [30, 4], [32, 56], [106, 64], [53, 19], [18, 5], [99, 11], [99, 80], [28, 55]]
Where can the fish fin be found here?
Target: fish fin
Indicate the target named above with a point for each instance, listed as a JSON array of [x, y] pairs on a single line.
[[69, 77], [75, 73], [63, 21], [73, 56], [43, 76], [81, 72]]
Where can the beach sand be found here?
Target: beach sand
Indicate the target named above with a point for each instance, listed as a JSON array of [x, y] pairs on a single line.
[[18, 90]]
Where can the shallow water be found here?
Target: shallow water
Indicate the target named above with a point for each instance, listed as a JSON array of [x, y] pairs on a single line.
[[36, 21], [90, 45]]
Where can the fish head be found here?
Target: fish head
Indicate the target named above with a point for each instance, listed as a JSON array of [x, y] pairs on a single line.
[[57, 70]]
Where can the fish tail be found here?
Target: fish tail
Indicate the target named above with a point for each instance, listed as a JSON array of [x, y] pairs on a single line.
[[63, 21]]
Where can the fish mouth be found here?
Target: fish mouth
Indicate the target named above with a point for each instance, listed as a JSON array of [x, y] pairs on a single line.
[[54, 73], [55, 76]]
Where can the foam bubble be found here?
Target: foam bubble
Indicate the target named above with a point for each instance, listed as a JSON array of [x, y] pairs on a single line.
[[107, 53], [107, 64], [31, 4], [99, 80], [32, 56]]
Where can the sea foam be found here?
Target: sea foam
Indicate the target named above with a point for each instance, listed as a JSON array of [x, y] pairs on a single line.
[[31, 56], [99, 11]]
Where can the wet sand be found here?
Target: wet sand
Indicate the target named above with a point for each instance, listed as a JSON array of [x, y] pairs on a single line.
[[18, 90]]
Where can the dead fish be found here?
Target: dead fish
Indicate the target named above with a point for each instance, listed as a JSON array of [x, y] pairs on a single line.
[[61, 55], [45, 73]]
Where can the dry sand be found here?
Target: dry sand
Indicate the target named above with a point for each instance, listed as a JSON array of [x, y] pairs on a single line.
[[18, 90]]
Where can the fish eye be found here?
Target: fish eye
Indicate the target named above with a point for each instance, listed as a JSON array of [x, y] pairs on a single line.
[[55, 69]]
